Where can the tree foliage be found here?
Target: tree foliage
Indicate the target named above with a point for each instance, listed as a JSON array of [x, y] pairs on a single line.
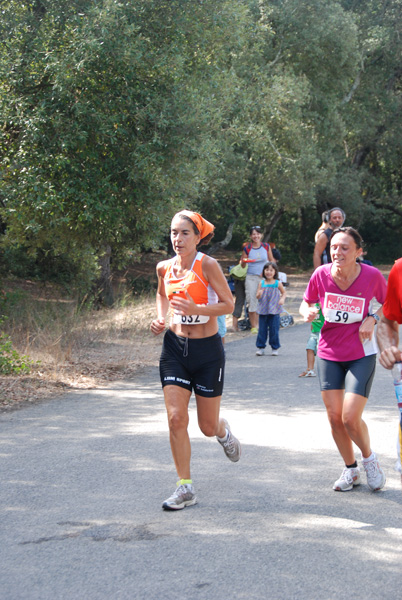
[[115, 114]]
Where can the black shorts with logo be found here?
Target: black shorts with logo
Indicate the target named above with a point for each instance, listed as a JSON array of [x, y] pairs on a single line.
[[194, 364], [353, 376]]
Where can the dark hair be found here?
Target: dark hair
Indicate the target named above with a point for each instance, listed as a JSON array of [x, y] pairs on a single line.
[[257, 228], [353, 234], [204, 241], [274, 266], [276, 254]]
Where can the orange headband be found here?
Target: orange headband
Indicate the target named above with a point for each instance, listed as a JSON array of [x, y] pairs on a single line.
[[204, 227]]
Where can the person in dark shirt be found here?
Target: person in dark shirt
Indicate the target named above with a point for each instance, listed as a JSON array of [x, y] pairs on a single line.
[[322, 255]]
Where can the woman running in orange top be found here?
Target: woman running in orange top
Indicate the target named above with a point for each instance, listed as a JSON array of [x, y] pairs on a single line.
[[193, 286]]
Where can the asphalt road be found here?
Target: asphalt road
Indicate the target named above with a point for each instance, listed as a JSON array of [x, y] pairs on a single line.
[[83, 477]]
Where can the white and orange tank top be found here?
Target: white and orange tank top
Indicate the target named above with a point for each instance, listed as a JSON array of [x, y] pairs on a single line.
[[193, 282]]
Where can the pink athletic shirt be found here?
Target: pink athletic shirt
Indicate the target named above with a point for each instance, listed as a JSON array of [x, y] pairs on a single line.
[[344, 311]]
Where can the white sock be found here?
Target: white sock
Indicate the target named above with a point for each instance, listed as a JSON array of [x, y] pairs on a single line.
[[224, 439], [371, 457]]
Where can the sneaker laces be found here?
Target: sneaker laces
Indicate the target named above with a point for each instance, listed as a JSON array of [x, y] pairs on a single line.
[[347, 475], [230, 444], [181, 489], [371, 468], [186, 488]]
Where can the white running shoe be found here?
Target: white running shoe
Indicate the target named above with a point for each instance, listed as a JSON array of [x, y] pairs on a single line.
[[375, 475], [347, 480], [231, 447], [260, 352], [184, 495], [274, 353]]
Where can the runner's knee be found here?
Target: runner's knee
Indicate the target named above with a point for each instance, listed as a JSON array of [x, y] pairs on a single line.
[[209, 428], [178, 420]]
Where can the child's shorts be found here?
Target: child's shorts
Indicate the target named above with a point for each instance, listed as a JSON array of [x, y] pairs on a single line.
[[222, 325], [312, 342]]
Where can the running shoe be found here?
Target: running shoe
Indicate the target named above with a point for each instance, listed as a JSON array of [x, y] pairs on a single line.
[[274, 353], [183, 496], [260, 352], [347, 480], [254, 330], [231, 447], [375, 475]]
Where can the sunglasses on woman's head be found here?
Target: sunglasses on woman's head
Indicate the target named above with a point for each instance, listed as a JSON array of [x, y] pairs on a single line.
[[255, 228]]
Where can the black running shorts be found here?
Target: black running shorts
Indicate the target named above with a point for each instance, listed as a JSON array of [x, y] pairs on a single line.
[[353, 376], [194, 364]]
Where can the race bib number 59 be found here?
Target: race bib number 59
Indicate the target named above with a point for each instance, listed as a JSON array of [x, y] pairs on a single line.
[[339, 308]]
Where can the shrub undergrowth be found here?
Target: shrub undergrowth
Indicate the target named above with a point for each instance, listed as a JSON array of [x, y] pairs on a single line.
[[10, 360], [56, 331]]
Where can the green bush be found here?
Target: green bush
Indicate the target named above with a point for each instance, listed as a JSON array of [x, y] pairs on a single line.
[[10, 360], [77, 268]]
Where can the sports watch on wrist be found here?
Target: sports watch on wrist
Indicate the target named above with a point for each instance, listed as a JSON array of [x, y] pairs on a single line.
[[375, 317]]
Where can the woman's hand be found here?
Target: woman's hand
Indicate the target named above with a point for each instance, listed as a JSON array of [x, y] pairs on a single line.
[[366, 329], [388, 341], [158, 326], [390, 356], [184, 306], [283, 293], [309, 313]]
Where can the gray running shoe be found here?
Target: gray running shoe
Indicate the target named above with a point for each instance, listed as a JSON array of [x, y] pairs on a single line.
[[347, 480], [260, 352], [375, 475], [183, 496], [231, 447]]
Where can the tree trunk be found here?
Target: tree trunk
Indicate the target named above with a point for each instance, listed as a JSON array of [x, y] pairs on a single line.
[[104, 290], [362, 153], [305, 253], [269, 227], [224, 242]]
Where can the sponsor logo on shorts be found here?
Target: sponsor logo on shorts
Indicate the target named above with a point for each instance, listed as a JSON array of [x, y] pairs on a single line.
[[202, 388], [178, 379]]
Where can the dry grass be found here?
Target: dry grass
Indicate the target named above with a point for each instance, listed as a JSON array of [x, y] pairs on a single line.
[[74, 348]]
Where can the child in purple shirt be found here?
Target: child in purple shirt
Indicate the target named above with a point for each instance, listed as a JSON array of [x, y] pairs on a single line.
[[271, 295]]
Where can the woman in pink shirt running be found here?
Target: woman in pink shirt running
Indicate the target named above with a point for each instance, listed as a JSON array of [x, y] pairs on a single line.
[[346, 355]]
